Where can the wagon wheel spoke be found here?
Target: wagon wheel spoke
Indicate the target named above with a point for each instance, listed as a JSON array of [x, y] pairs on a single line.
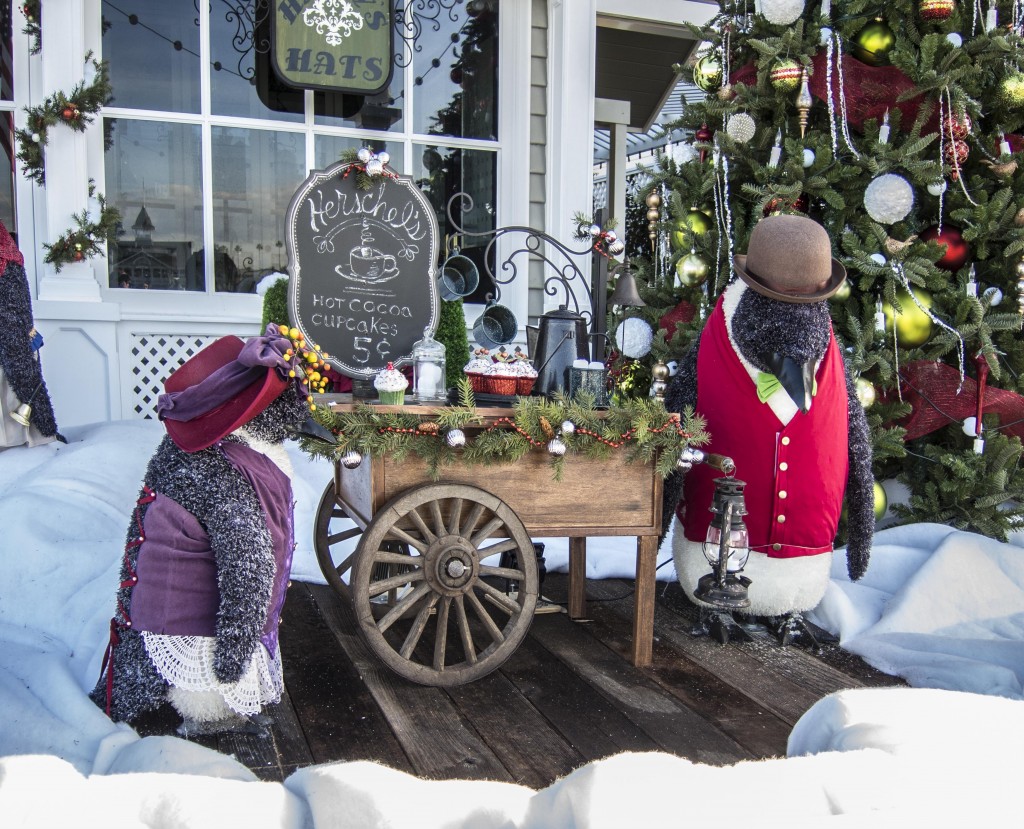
[[485, 617], [456, 516], [376, 588], [402, 606], [416, 631], [501, 599], [334, 537], [501, 572], [441, 636], [494, 549], [467, 635], [439, 591]]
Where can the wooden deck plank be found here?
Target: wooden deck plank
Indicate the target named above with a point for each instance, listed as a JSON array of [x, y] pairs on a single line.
[[673, 726], [752, 669], [438, 743], [515, 731], [585, 718], [340, 719]]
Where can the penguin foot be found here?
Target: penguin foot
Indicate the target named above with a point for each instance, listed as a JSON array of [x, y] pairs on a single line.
[[793, 628], [720, 625], [258, 724]]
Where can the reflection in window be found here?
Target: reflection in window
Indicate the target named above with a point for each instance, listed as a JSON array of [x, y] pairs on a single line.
[[153, 52], [329, 149], [441, 172], [255, 174], [154, 178], [456, 73]]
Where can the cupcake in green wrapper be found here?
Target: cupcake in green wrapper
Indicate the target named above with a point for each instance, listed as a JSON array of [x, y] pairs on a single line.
[[390, 385]]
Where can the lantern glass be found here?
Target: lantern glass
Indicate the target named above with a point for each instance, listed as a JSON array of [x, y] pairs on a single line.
[[738, 545], [428, 368]]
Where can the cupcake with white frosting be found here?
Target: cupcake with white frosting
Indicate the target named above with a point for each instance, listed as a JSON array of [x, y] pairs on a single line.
[[390, 385]]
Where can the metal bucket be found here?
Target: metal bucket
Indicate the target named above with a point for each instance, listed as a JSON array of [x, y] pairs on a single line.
[[459, 277], [496, 326]]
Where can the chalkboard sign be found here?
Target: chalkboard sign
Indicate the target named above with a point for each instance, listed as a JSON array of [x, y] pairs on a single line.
[[362, 264]]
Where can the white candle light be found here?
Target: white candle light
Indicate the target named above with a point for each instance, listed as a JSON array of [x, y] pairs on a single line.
[[776, 155], [1004, 145], [883, 131]]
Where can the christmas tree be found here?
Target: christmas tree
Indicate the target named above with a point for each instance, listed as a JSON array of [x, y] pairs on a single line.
[[900, 128]]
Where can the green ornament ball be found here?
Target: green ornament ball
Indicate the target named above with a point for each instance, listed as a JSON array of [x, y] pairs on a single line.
[[785, 75], [866, 394], [844, 292], [873, 43], [881, 504], [691, 271]]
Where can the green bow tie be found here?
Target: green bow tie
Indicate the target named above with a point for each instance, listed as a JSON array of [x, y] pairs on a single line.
[[768, 384]]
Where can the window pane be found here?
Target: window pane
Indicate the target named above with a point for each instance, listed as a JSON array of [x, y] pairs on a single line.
[[154, 177], [238, 30], [441, 172], [330, 147], [255, 174], [7, 215], [153, 52], [455, 65]]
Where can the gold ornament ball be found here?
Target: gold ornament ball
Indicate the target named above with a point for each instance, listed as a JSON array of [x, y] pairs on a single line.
[[659, 372], [866, 394], [653, 200], [696, 222], [913, 326], [692, 271], [873, 43], [707, 72], [726, 93], [881, 502], [1011, 90], [1019, 269], [1018, 219], [785, 75], [653, 215]]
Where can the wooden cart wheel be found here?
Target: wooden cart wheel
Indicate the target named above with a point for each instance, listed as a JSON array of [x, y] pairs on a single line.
[[332, 540], [448, 624]]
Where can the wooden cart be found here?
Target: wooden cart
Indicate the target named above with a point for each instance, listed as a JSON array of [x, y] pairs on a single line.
[[433, 561]]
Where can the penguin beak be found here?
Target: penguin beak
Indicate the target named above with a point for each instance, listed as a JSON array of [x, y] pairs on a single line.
[[309, 429], [796, 378]]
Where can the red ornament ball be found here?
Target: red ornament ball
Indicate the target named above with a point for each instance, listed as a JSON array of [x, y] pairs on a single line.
[[78, 256], [68, 113], [777, 205], [957, 252], [936, 11], [956, 154], [959, 128], [704, 134]]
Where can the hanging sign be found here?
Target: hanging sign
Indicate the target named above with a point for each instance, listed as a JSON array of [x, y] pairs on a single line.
[[362, 264], [333, 45]]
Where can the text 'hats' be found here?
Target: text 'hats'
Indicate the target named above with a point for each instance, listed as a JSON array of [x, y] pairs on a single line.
[[789, 258]]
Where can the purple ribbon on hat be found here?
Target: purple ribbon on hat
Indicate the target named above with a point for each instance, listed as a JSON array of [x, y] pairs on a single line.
[[257, 355]]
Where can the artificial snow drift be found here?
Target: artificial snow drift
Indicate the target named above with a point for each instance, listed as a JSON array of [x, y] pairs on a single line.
[[943, 609]]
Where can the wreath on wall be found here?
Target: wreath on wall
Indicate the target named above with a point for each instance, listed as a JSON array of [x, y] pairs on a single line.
[[33, 12]]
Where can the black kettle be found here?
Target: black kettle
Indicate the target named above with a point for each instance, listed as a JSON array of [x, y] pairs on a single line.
[[561, 339]]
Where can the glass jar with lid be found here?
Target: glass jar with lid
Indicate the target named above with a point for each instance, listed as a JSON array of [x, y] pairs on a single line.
[[428, 369]]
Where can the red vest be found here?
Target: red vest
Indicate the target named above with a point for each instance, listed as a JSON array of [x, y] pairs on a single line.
[[796, 474]]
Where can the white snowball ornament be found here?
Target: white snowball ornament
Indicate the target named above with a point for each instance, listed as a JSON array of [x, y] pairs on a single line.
[[877, 258], [937, 188], [955, 40], [782, 12], [995, 296], [824, 36], [808, 157], [970, 427], [888, 198], [740, 127], [634, 337], [683, 153]]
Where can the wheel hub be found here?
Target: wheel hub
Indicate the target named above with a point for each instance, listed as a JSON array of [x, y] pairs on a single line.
[[451, 565]]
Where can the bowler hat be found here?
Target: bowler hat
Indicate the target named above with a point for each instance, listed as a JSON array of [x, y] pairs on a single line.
[[789, 258], [207, 427]]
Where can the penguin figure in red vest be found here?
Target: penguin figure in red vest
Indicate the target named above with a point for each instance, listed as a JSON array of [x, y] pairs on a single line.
[[769, 377]]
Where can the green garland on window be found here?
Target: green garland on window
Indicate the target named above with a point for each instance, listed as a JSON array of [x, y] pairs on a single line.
[[74, 109], [33, 11], [641, 428], [84, 241]]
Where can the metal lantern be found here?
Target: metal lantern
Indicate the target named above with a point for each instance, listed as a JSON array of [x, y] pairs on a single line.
[[726, 547]]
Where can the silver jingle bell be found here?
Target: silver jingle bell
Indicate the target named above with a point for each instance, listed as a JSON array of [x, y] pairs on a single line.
[[351, 459], [364, 154], [568, 427], [556, 447], [455, 438]]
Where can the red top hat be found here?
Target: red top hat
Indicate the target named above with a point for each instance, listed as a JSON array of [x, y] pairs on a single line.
[[212, 374]]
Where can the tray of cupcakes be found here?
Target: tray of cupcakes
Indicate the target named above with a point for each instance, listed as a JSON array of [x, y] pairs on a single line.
[[498, 379]]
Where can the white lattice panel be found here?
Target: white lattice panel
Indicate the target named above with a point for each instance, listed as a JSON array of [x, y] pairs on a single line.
[[153, 358]]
